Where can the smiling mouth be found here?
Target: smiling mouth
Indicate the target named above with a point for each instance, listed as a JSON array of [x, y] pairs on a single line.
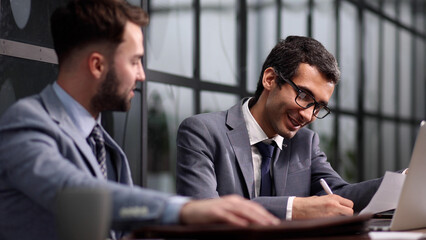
[[296, 124]]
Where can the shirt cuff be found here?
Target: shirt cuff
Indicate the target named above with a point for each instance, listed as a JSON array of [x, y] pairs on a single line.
[[172, 210], [289, 212]]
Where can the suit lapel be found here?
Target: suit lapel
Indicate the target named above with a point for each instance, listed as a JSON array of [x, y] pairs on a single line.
[[122, 165], [60, 116], [239, 139], [280, 170]]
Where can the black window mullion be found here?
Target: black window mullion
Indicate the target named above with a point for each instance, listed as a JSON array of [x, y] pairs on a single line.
[[360, 92], [414, 66], [279, 18], [310, 17], [380, 46], [145, 4], [397, 85], [197, 58], [424, 49], [335, 162], [309, 27], [242, 47]]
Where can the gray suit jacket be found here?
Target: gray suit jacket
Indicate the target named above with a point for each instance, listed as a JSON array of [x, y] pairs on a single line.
[[41, 153], [214, 159]]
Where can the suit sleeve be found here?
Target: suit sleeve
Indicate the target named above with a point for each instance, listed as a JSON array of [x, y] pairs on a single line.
[[35, 166], [360, 193], [195, 161]]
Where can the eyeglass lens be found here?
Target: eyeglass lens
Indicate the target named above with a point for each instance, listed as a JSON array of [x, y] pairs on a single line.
[[305, 100]]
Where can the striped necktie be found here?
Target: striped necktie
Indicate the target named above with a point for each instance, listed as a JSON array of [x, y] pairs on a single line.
[[96, 140]]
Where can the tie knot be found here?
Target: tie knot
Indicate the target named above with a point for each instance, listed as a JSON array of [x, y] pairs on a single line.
[[266, 150], [96, 134]]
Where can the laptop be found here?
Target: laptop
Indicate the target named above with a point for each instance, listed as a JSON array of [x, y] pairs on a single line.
[[410, 212]]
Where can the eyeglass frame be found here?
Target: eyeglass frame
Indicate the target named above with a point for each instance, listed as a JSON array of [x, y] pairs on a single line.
[[299, 91]]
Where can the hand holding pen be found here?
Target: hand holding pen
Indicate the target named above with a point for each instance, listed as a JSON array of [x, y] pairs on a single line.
[[325, 186]]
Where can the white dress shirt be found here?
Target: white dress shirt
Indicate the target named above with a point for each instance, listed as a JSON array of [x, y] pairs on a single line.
[[256, 134]]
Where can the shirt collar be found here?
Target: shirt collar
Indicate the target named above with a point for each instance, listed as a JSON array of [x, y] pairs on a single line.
[[255, 132], [78, 114]]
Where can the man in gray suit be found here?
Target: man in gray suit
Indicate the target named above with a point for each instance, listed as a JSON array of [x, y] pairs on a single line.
[[54, 141], [259, 149]]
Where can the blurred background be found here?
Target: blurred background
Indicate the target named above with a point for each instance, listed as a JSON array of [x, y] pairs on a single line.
[[205, 55]]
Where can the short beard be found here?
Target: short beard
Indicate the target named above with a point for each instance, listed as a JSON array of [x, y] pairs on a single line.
[[107, 98]]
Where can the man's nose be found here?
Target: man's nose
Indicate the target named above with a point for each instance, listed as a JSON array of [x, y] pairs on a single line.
[[307, 113], [141, 74]]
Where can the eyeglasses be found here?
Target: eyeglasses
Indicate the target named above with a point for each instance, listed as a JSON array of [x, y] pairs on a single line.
[[306, 100]]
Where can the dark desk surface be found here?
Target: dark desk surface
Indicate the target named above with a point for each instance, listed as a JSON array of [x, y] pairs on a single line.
[[327, 228], [363, 236], [342, 228]]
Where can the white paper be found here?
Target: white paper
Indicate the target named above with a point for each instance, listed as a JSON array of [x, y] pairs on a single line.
[[396, 235], [387, 195]]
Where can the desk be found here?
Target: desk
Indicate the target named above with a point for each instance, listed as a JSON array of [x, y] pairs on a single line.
[[343, 228], [347, 237]]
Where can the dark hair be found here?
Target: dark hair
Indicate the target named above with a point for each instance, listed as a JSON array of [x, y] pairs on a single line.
[[83, 22], [288, 54]]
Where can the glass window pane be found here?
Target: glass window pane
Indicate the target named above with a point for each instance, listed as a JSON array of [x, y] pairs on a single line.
[[405, 77], [324, 24], [388, 146], [348, 60], [218, 40], [420, 16], [261, 31], [170, 37], [347, 149], [371, 148], [420, 83], [325, 129], [324, 28], [389, 8], [216, 101], [374, 3], [168, 106], [294, 20], [388, 87], [406, 145], [405, 15], [371, 63]]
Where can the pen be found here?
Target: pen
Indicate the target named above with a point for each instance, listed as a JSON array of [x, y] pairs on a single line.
[[325, 186]]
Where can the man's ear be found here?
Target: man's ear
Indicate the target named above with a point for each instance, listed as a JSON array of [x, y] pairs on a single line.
[[268, 79], [97, 65]]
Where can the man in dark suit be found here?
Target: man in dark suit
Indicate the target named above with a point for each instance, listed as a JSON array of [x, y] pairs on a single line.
[[54, 141], [259, 149]]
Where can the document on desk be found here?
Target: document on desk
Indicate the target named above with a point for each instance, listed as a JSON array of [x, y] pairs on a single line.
[[386, 197]]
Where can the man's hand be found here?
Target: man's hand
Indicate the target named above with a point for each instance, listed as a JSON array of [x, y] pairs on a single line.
[[232, 209], [323, 206]]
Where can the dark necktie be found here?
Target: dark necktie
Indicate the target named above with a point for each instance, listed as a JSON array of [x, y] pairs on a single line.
[[97, 142], [266, 150]]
